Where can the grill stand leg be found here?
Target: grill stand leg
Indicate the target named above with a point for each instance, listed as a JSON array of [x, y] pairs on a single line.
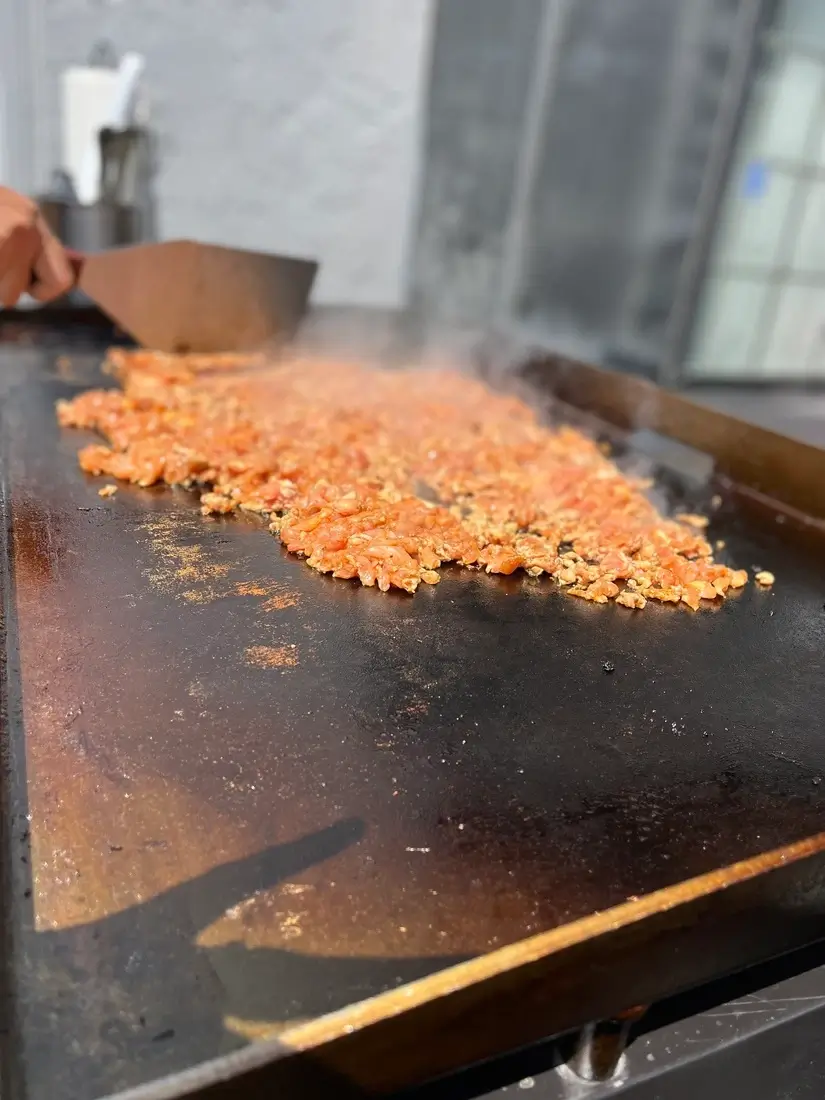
[[600, 1047]]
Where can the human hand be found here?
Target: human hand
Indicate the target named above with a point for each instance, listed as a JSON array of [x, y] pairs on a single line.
[[32, 260]]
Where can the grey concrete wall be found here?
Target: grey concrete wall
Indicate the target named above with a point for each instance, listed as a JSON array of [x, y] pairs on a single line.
[[290, 125], [22, 89], [483, 55]]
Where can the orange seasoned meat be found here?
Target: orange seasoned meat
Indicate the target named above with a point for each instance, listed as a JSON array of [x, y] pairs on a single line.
[[385, 476]]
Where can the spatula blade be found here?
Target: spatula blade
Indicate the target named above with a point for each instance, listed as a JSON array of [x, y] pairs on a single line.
[[186, 296]]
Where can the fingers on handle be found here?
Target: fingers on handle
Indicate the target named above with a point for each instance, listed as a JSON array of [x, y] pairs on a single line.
[[54, 274], [18, 254]]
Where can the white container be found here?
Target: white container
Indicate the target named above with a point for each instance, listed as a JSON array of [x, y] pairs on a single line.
[[86, 97]]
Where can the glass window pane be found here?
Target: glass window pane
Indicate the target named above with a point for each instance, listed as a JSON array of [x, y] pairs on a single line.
[[803, 20], [796, 346], [809, 250], [783, 108], [723, 335], [753, 216]]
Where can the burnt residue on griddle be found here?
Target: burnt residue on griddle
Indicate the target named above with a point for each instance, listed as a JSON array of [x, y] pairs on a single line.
[[274, 595], [189, 561], [271, 656], [183, 566]]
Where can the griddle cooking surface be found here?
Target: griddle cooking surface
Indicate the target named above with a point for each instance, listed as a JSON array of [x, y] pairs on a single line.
[[258, 794]]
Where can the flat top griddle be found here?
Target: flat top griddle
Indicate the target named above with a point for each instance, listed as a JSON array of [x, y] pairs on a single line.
[[240, 796]]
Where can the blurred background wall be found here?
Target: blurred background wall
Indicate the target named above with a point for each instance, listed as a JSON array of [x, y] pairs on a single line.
[[568, 144], [281, 124], [641, 182]]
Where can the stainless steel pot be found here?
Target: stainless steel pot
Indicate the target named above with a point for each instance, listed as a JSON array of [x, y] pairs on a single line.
[[92, 228]]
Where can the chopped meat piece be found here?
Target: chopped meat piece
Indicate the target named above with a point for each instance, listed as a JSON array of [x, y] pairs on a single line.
[[386, 476], [631, 598], [107, 491], [764, 578], [692, 520], [216, 502]]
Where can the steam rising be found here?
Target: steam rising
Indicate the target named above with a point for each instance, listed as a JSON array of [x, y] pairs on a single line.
[[380, 340]]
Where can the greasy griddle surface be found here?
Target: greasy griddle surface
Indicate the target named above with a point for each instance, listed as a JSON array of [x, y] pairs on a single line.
[[227, 831]]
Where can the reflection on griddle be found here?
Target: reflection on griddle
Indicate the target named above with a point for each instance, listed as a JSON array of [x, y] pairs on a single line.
[[38, 539], [153, 996]]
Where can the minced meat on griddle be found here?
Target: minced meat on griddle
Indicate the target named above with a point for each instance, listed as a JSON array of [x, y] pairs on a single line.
[[385, 476]]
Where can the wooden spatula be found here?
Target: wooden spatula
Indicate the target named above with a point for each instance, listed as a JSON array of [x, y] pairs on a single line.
[[183, 296]]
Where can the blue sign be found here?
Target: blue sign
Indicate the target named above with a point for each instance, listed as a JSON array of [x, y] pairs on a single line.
[[755, 179]]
